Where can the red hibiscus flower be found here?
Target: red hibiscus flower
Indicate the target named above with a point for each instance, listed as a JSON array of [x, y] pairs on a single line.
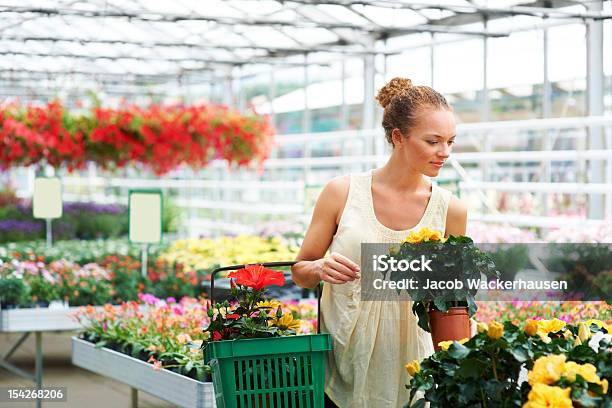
[[233, 316], [217, 336], [257, 277]]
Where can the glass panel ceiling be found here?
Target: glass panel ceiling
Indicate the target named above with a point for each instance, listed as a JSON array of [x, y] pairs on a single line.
[[151, 39]]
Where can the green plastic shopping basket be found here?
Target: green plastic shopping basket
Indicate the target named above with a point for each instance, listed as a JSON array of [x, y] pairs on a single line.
[[269, 372]]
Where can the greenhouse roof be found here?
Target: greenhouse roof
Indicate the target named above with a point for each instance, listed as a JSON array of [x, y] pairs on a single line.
[[127, 45]]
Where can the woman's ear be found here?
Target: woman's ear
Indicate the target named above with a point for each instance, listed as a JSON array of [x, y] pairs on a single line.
[[397, 137]]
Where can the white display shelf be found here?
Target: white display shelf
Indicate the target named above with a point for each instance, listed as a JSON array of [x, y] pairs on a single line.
[[177, 389]]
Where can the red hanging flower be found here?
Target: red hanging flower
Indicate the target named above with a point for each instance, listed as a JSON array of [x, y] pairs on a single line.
[[257, 277]]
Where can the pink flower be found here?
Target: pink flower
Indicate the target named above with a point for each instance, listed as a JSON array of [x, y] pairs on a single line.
[[148, 298]]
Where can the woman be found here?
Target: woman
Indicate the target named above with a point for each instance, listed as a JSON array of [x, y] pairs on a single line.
[[372, 341]]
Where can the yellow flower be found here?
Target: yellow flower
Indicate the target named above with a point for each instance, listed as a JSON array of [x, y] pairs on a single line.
[[413, 367], [286, 322], [599, 324], [584, 332], [482, 327], [551, 326], [546, 339], [531, 327], [413, 238], [268, 304], [577, 342], [567, 335], [586, 371], [547, 369], [423, 235], [544, 396], [444, 345], [496, 330], [430, 235], [604, 386]]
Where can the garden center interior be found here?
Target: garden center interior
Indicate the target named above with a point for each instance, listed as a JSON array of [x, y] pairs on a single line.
[[236, 113]]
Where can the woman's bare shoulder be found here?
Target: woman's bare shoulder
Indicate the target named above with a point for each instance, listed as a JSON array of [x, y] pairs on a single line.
[[334, 195], [456, 217], [339, 186]]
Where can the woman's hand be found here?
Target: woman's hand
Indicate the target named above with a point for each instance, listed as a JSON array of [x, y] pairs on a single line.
[[337, 269]]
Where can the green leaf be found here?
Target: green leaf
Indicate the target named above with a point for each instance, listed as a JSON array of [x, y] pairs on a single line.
[[521, 355], [466, 393], [419, 310], [458, 351], [586, 401], [448, 367], [441, 304], [470, 368], [472, 307], [188, 366], [100, 344]]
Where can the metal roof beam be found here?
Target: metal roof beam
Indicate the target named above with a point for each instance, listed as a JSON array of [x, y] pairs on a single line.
[[173, 18], [37, 79], [531, 9], [127, 76], [152, 44], [209, 60]]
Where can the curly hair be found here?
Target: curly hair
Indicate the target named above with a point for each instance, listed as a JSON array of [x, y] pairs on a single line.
[[402, 101]]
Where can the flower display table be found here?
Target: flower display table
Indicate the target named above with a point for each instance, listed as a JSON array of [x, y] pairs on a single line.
[[37, 321], [177, 389]]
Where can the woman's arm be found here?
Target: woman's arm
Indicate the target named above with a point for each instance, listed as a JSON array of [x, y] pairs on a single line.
[[313, 266], [456, 218]]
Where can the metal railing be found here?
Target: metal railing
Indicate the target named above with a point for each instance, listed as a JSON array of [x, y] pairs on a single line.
[[542, 156]]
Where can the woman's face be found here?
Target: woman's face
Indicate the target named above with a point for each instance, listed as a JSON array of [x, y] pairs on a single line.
[[428, 144]]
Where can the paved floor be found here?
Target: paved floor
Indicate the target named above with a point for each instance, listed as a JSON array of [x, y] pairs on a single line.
[[85, 389]]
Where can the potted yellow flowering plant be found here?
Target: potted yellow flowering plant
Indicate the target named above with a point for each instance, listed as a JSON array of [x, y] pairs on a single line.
[[541, 363], [445, 312]]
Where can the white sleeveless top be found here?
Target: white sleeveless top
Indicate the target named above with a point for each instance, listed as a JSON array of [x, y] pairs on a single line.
[[372, 341]]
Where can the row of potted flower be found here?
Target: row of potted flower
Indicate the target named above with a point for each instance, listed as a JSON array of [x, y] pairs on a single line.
[[34, 274], [194, 254], [169, 334], [518, 311], [113, 279], [539, 363], [208, 253], [78, 251], [159, 137]]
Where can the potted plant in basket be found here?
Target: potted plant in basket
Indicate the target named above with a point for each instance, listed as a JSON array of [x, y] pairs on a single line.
[[445, 313], [255, 356]]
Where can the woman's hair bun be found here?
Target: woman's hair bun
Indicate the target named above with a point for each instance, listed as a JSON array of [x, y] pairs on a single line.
[[393, 88]]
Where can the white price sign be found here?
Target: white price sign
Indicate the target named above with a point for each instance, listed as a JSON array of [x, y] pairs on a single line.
[[47, 200], [145, 208]]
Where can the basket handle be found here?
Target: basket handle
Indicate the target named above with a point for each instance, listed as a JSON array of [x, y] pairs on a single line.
[[265, 265]]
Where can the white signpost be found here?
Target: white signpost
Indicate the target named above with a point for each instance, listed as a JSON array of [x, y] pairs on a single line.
[[145, 214], [47, 202]]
